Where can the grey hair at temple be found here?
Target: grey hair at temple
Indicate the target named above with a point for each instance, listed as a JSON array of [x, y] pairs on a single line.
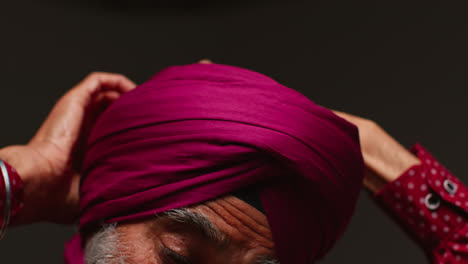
[[105, 247]]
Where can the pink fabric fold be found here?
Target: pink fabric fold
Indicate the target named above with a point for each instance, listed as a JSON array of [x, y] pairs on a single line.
[[195, 132]]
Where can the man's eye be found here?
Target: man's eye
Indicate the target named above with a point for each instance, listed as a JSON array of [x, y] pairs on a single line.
[[174, 257]]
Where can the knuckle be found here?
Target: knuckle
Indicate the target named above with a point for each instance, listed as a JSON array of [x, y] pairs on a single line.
[[120, 76]]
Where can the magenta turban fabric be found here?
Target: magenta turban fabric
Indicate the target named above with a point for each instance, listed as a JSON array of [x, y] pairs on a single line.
[[196, 132]]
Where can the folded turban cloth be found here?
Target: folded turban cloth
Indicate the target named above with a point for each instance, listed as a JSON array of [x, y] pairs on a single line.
[[196, 132]]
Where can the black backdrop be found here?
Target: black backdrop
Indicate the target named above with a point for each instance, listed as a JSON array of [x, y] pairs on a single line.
[[401, 64]]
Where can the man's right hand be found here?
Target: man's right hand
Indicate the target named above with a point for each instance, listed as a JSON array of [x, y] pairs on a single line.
[[50, 164]]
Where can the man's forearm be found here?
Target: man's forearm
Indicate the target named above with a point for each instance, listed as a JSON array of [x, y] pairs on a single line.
[[385, 159]]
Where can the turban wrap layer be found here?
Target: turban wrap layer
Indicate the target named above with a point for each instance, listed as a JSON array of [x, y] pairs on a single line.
[[195, 132]]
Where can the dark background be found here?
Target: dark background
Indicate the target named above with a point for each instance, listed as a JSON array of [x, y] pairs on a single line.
[[401, 64]]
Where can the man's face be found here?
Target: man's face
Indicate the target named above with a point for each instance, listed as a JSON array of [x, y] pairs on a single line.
[[225, 230]]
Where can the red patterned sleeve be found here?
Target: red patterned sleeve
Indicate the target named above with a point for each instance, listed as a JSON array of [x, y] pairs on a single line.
[[430, 204], [16, 192]]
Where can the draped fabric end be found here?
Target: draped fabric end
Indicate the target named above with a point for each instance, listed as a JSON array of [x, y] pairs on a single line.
[[196, 132]]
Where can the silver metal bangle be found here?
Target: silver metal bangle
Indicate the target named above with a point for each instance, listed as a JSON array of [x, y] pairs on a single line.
[[6, 211]]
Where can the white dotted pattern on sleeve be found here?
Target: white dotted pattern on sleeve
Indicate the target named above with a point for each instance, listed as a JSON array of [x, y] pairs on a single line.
[[430, 205]]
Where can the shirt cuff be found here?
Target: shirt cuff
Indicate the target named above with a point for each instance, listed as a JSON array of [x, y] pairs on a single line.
[[429, 203]]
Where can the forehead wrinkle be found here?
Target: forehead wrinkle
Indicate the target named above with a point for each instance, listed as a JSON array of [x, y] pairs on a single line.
[[259, 218], [263, 230], [232, 220], [216, 208]]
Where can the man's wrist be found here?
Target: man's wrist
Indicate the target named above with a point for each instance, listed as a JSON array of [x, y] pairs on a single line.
[[385, 160], [25, 163]]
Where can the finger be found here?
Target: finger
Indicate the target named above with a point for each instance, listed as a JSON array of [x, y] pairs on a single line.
[[98, 81], [102, 101], [95, 108], [113, 81], [205, 61], [106, 96]]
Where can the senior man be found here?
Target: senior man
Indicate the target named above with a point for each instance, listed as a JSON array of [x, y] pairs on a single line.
[[203, 163]]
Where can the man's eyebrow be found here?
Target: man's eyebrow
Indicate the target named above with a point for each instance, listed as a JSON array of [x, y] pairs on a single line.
[[201, 222]]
